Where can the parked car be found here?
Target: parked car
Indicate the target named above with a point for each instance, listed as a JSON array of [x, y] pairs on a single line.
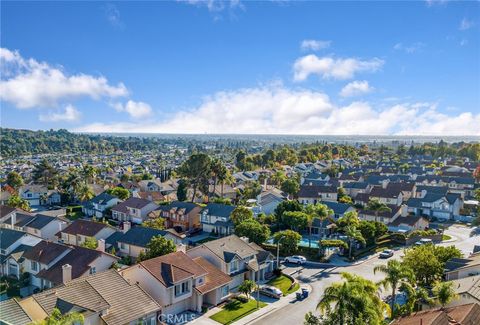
[[423, 241], [271, 292], [386, 253], [296, 259]]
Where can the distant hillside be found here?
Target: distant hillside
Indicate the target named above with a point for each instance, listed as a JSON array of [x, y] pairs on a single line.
[[24, 142]]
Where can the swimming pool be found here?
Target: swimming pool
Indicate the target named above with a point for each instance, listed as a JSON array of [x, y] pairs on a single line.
[[303, 242]]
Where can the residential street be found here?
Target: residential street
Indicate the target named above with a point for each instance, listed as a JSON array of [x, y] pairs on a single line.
[[320, 278]]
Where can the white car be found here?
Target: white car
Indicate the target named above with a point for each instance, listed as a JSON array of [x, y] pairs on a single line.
[[296, 259]]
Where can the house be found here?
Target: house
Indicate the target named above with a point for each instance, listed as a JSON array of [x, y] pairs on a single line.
[[315, 194], [102, 298], [353, 188], [40, 225], [459, 268], [12, 242], [155, 185], [39, 195], [150, 196], [133, 210], [79, 230], [46, 262], [269, 200], [7, 212], [135, 240], [466, 314], [388, 195], [236, 257], [215, 218], [436, 205], [339, 209], [179, 283], [408, 224], [467, 290], [96, 207], [183, 216]]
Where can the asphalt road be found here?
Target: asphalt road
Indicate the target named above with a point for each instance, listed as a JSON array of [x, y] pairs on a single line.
[[320, 278]]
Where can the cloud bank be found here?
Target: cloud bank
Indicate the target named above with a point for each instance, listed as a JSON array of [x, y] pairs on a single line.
[[276, 109]]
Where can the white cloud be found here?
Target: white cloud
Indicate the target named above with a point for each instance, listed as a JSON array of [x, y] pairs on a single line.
[[412, 48], [331, 68], [113, 15], [27, 83], [466, 24], [431, 3], [70, 114], [314, 45], [275, 109], [135, 109], [216, 6], [356, 88]]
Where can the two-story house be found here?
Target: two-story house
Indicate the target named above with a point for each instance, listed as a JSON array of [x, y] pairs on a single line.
[[314, 194], [39, 195], [178, 282], [236, 257], [79, 230], [182, 216], [385, 217], [96, 207], [13, 243], [102, 298], [388, 195], [459, 268], [133, 210], [215, 218], [46, 263], [268, 201], [40, 225], [436, 205]]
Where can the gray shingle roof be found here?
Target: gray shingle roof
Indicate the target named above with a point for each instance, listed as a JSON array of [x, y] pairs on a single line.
[[12, 313], [140, 236], [9, 236]]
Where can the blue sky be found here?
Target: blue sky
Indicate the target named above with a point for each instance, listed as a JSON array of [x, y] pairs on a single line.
[[242, 67]]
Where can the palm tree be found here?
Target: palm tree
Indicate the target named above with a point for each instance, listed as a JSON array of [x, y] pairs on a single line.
[[444, 293], [355, 301], [415, 297], [84, 193], [395, 273], [217, 168], [320, 211], [224, 177], [377, 207], [353, 235]]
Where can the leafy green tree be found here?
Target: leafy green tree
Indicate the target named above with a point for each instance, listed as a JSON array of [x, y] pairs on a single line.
[[376, 206], [311, 319], [295, 220], [182, 190], [56, 318], [247, 287], [14, 179], [197, 170], [16, 201], [253, 230], [120, 192], [286, 206], [241, 214], [291, 187], [289, 241], [84, 193], [240, 158], [90, 242], [251, 190], [157, 223], [416, 296], [158, 246], [278, 178], [353, 301], [395, 274], [44, 173], [444, 293], [428, 261]]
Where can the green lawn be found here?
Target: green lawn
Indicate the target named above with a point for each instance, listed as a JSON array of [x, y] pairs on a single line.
[[72, 216], [235, 310], [446, 237], [283, 283]]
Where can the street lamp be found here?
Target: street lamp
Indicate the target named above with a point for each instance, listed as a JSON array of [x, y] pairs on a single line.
[[278, 251]]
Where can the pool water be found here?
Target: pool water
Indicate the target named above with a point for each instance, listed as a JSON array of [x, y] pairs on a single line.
[[303, 242]]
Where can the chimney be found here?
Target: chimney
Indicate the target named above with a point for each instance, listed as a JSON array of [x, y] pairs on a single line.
[[126, 226], [101, 245], [181, 248], [61, 225], [245, 239], [13, 219], [66, 273]]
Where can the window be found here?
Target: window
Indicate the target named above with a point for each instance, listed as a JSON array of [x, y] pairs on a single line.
[[233, 266], [225, 290], [181, 289], [34, 265], [93, 270], [3, 252]]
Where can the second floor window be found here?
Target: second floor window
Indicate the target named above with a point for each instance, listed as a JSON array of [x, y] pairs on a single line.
[[182, 288], [34, 265], [234, 266]]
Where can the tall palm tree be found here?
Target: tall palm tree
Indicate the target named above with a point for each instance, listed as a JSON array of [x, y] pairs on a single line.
[[415, 297], [353, 235], [395, 273], [217, 168], [355, 301], [376, 206], [84, 193], [444, 293], [320, 211], [224, 177]]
